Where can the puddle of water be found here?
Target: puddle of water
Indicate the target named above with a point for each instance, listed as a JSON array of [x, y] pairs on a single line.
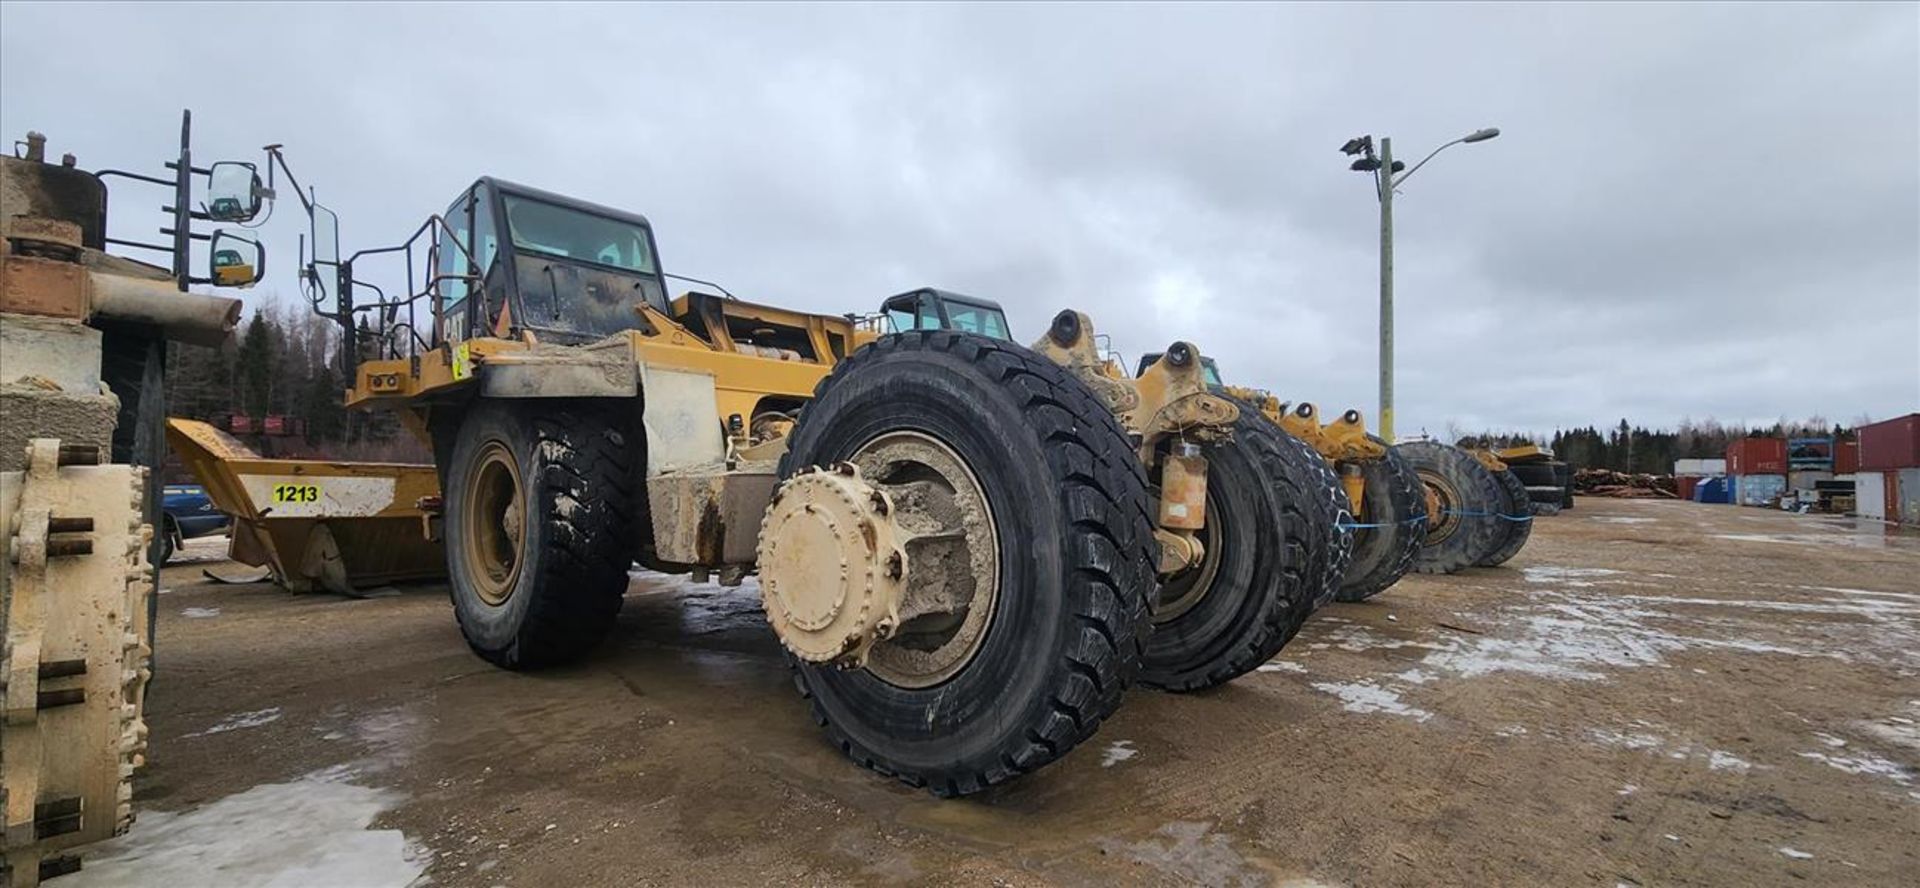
[[1190, 852], [312, 831]]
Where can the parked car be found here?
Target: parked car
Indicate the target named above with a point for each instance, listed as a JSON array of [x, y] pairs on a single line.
[[188, 514]]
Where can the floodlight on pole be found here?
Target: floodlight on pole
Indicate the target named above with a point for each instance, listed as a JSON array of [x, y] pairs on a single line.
[[1387, 176]]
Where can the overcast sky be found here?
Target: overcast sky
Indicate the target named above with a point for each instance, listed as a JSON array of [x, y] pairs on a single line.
[[1691, 212]]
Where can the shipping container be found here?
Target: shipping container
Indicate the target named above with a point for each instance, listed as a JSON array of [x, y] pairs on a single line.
[[1909, 500], [1807, 480], [1846, 457], [1685, 484], [1699, 467], [1760, 490], [1757, 456], [1870, 495], [1810, 453], [1894, 444], [1714, 490]]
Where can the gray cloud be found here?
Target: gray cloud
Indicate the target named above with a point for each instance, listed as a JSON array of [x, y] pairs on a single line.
[[1693, 211]]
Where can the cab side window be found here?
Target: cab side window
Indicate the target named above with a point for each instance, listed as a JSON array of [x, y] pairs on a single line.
[[486, 237], [454, 239]]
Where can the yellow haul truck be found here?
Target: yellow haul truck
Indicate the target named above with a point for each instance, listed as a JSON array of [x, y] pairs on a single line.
[[1386, 509], [957, 540]]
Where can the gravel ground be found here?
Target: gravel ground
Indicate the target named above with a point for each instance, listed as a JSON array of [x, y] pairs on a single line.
[[1651, 693]]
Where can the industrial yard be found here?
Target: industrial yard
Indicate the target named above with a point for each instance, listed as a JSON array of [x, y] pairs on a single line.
[[1651, 693]]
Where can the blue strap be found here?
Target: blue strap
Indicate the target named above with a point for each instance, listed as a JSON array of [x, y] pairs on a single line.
[[1349, 525]]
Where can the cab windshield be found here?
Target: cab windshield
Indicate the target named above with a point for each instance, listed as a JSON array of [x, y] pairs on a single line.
[[990, 322], [541, 227]]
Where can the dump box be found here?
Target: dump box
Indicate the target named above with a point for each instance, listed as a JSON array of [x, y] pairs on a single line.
[[338, 526]]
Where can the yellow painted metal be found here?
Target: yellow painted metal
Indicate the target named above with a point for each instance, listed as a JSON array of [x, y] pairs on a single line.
[[1168, 409], [1523, 454], [1489, 459], [318, 524]]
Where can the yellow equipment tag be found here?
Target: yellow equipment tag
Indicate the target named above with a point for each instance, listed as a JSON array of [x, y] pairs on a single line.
[[296, 493], [462, 362]]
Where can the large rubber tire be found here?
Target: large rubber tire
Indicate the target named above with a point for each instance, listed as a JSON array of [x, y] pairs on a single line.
[[168, 534], [1464, 530], [1554, 495], [1071, 515], [1382, 555], [1259, 580], [1539, 474], [1328, 510], [1516, 518], [575, 471]]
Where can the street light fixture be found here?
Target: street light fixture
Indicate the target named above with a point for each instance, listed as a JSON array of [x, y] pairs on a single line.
[[1387, 175]]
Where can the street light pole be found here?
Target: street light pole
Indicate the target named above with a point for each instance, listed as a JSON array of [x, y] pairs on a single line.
[[1384, 169], [1384, 183]]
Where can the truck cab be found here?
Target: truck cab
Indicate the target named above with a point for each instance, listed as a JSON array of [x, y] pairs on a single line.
[[931, 309], [513, 257]]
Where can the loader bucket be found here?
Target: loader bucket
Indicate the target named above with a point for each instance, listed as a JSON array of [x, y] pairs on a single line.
[[337, 526]]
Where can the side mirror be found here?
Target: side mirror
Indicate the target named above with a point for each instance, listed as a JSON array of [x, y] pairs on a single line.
[[323, 273], [236, 259], [233, 192]]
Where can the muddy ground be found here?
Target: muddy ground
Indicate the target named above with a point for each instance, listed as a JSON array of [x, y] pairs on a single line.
[[1651, 693]]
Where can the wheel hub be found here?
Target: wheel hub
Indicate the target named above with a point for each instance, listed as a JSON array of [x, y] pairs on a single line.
[[832, 568]]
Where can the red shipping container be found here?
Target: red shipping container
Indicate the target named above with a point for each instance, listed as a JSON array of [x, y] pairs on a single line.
[[1894, 444], [1846, 457], [1686, 484], [1757, 456]]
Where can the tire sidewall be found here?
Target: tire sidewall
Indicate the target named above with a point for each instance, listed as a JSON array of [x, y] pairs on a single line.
[[1252, 554], [1007, 680], [494, 627]]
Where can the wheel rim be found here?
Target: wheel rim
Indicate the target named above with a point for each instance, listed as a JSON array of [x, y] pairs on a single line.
[[493, 522], [953, 543], [1186, 589], [1442, 502]]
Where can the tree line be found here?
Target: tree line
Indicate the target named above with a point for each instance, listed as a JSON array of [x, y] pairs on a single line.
[[285, 361], [1637, 449]]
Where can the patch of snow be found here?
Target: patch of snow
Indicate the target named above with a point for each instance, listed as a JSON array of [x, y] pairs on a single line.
[[1627, 789], [1565, 576], [1721, 760], [1864, 763], [1365, 696], [1894, 730], [1606, 737], [1829, 739], [1796, 855], [1613, 519], [1511, 731], [312, 831], [1280, 666], [240, 720], [200, 613], [1416, 676], [1116, 752]]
